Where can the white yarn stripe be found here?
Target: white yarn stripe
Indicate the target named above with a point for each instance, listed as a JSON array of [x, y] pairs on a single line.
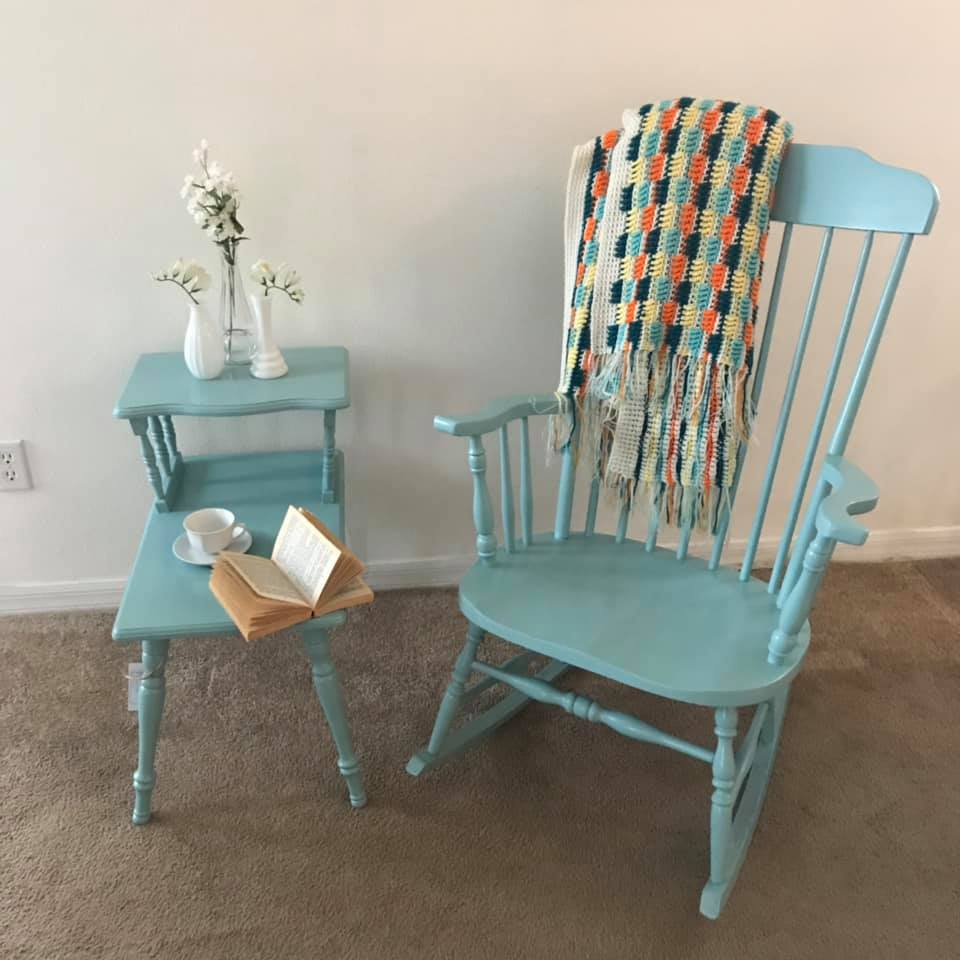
[[572, 230], [603, 313]]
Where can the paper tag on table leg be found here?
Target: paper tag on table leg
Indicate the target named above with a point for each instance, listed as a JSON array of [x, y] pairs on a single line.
[[134, 673]]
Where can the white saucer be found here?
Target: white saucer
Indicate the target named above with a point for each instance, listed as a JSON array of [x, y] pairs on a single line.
[[182, 549]]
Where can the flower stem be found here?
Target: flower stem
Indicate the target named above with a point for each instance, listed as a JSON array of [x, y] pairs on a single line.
[[179, 284]]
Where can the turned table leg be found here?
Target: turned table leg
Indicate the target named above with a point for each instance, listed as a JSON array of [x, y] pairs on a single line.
[[327, 684], [149, 710]]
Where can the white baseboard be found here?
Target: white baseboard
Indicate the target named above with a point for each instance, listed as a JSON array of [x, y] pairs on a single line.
[[93, 594], [97, 594]]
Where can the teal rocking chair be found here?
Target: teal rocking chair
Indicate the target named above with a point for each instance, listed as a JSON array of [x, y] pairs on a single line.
[[621, 608]]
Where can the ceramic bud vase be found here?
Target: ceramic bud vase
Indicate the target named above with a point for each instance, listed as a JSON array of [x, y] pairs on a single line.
[[268, 362], [203, 345]]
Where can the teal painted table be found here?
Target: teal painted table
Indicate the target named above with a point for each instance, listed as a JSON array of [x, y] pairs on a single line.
[[166, 599]]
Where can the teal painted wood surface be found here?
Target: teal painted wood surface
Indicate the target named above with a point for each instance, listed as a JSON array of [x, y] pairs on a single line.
[[165, 599], [816, 432], [844, 187], [151, 696], [327, 684], [318, 379], [663, 621], [555, 599], [786, 406]]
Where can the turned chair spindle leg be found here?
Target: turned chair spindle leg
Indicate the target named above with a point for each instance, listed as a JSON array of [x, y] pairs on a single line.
[[454, 692], [724, 777]]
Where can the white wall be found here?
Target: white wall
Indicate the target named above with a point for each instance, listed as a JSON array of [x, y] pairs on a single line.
[[410, 159]]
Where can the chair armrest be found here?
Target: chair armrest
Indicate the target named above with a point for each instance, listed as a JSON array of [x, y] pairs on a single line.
[[852, 492], [496, 414]]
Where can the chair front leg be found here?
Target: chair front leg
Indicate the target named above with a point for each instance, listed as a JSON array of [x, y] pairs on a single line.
[[327, 684], [454, 692], [746, 773], [446, 743], [724, 777], [153, 686]]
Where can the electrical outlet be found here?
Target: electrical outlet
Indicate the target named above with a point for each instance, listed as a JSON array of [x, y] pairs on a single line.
[[14, 472]]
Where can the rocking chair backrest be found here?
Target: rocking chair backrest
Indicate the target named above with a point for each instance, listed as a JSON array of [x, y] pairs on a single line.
[[819, 186]]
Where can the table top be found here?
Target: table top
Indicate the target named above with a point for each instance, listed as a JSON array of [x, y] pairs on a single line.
[[166, 598], [318, 379]]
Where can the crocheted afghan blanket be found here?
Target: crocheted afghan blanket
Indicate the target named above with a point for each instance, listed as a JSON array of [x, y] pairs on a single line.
[[666, 226]]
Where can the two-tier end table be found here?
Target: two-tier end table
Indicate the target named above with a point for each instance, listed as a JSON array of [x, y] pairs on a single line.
[[166, 599]]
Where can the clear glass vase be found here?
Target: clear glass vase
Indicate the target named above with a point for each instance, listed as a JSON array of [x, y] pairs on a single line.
[[238, 342]]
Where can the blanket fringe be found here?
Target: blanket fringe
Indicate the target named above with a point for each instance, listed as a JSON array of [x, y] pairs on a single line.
[[690, 408]]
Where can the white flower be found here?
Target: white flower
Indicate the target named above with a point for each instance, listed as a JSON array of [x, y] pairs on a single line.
[[284, 278], [261, 271], [195, 277], [188, 275], [212, 199]]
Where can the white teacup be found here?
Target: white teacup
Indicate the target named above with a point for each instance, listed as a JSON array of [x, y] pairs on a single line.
[[211, 529]]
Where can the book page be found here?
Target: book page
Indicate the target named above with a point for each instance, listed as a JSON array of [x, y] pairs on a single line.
[[304, 555], [264, 577], [353, 594], [347, 567]]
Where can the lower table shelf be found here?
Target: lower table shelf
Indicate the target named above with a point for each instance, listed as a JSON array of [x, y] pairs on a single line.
[[167, 598]]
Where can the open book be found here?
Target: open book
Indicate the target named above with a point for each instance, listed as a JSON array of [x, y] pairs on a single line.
[[310, 573]]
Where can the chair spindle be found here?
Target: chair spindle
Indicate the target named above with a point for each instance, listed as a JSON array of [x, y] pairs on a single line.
[[723, 524], [506, 492], [526, 485], [594, 499], [786, 407], [684, 545], [652, 524], [482, 509], [623, 521], [821, 416], [561, 527], [851, 405], [591, 521]]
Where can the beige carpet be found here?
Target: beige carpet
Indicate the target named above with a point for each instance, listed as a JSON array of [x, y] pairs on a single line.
[[554, 839]]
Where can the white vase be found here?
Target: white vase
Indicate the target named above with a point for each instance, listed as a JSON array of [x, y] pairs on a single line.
[[203, 344], [268, 362]]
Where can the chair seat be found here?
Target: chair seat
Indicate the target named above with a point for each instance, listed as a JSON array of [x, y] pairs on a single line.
[[676, 629]]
